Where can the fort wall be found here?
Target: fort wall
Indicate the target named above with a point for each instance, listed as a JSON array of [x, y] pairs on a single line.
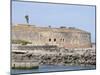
[[62, 37]]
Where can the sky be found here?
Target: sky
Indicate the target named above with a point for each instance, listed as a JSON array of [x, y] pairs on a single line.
[[55, 15]]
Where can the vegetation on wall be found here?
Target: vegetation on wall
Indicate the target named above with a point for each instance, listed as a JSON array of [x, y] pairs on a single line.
[[23, 42]]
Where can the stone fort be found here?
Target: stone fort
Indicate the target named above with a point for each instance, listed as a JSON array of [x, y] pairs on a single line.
[[62, 37]]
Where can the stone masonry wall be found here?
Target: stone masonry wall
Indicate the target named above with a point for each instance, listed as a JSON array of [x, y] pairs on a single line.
[[68, 38]]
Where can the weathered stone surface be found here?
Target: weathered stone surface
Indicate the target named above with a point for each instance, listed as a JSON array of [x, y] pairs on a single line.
[[55, 55], [62, 37]]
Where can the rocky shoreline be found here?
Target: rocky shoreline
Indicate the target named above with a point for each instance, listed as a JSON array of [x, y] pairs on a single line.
[[56, 56], [68, 59]]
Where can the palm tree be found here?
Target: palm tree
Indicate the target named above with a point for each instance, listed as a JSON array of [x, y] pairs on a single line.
[[27, 18]]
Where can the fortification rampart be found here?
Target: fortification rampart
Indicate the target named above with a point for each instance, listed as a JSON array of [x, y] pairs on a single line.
[[62, 37]]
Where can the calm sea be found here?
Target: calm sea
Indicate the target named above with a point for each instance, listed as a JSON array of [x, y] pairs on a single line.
[[52, 68]]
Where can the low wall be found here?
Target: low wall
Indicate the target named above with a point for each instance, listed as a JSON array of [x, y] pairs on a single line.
[[25, 65]]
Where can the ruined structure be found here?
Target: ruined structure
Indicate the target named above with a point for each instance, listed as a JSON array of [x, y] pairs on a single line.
[[61, 37]]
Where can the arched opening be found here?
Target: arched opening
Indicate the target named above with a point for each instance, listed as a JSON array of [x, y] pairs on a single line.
[[63, 40], [54, 40], [49, 39]]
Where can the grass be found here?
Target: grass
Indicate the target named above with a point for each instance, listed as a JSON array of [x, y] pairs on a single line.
[[23, 42]]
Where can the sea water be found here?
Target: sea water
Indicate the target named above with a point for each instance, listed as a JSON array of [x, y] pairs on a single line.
[[52, 68]]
